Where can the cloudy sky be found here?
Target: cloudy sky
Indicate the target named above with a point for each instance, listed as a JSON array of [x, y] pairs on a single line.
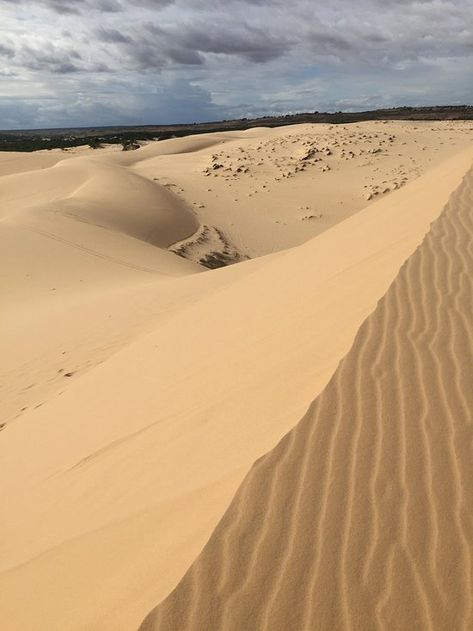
[[105, 62]]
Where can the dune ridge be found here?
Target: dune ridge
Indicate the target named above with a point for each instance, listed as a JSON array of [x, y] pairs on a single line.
[[360, 518]]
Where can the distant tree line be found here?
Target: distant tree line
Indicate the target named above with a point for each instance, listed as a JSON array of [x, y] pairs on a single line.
[[130, 137]]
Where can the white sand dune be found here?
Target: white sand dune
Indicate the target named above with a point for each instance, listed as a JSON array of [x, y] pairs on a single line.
[[360, 518], [270, 189], [97, 193], [138, 391]]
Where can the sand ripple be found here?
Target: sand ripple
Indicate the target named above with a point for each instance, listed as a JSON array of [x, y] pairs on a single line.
[[362, 517]]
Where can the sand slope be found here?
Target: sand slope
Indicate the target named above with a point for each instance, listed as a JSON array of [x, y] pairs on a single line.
[[79, 242], [361, 517]]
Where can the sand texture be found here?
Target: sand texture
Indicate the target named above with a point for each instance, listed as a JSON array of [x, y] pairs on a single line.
[[139, 385], [361, 517]]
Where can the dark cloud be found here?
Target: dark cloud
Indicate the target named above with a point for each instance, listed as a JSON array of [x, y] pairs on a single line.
[[111, 35], [184, 56], [329, 42], [6, 51], [151, 47], [149, 4], [52, 59], [76, 7], [250, 42], [248, 56], [49, 58], [141, 55]]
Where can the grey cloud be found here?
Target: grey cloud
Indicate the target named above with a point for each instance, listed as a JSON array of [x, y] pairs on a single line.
[[111, 35], [249, 42], [65, 67], [53, 59], [6, 51], [151, 47], [185, 56], [144, 56], [172, 101], [235, 57], [150, 4], [67, 7], [330, 42], [196, 30], [76, 7]]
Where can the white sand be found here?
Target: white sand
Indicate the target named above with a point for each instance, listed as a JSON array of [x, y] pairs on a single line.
[[361, 517]]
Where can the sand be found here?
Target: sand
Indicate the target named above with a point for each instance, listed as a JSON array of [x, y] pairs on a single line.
[[360, 518], [138, 388]]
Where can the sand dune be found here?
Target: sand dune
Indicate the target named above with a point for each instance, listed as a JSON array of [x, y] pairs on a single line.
[[361, 517], [97, 193], [138, 391], [77, 240], [270, 189], [19, 162]]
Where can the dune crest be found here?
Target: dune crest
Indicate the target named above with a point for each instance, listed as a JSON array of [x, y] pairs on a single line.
[[360, 518]]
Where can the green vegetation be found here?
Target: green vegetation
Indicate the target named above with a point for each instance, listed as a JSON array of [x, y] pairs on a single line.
[[129, 137]]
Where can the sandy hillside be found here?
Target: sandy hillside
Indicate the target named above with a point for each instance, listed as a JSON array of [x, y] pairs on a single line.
[[360, 518], [138, 386], [265, 190], [94, 213]]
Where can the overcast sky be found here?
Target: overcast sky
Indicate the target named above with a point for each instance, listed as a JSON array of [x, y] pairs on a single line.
[[105, 62]]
